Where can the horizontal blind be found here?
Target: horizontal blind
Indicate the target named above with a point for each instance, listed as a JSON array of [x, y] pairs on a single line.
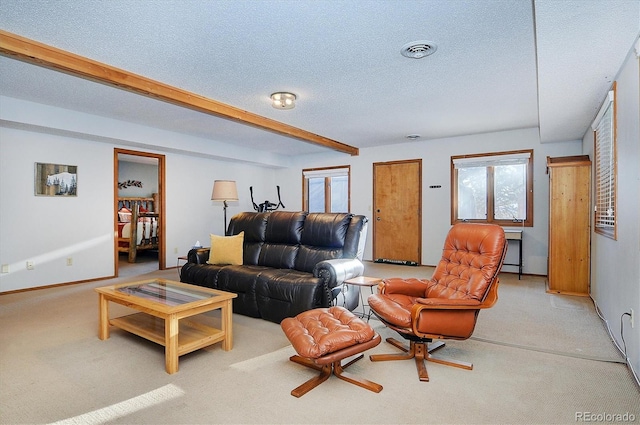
[[493, 160], [605, 179], [328, 172]]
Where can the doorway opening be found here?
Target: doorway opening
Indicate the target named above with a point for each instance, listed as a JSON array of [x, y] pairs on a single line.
[[139, 211]]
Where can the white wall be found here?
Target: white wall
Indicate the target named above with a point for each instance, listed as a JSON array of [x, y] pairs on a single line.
[[48, 230], [22, 114], [191, 214], [615, 275], [146, 174], [436, 170]]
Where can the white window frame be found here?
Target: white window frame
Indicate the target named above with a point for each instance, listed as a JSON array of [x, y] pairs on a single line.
[[605, 171]]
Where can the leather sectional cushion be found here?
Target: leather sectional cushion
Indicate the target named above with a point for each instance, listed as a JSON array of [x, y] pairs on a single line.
[[279, 256], [242, 280], [254, 226], [284, 293], [309, 256], [326, 230], [285, 227]]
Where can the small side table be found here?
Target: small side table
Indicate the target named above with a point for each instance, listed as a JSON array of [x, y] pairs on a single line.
[[364, 281], [181, 258]]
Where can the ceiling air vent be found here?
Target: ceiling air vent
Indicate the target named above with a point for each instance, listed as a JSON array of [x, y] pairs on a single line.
[[418, 49]]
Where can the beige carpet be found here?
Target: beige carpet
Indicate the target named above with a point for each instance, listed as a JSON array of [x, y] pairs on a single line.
[[569, 325], [53, 368], [527, 316]]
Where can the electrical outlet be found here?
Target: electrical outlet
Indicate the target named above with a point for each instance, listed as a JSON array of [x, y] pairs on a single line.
[[632, 318], [175, 250], [69, 261], [30, 265], [5, 268]]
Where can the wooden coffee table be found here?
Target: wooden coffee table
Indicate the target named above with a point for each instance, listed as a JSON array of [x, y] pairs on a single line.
[[169, 315]]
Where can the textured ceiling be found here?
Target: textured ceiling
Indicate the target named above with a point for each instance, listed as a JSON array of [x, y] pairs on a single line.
[[499, 65]]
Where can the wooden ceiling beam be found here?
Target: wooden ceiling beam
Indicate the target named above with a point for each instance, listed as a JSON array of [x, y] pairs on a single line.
[[36, 53]]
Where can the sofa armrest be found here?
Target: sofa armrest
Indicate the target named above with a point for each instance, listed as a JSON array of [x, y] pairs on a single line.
[[333, 273], [198, 255]]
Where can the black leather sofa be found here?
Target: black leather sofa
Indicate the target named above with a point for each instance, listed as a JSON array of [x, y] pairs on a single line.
[[292, 262]]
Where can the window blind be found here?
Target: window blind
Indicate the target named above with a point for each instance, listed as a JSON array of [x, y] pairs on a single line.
[[605, 178], [493, 160], [329, 172]]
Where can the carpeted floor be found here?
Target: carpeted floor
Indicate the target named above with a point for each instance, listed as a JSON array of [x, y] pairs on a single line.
[[146, 262], [526, 352]]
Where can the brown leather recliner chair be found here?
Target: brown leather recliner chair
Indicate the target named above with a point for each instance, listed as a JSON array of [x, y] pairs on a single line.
[[446, 306]]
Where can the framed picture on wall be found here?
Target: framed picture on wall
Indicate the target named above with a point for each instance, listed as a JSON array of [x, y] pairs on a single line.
[[56, 180]]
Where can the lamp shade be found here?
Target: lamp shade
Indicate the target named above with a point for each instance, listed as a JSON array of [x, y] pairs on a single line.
[[224, 190]]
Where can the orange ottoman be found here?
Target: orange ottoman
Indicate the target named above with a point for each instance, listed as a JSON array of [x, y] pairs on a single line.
[[323, 337]]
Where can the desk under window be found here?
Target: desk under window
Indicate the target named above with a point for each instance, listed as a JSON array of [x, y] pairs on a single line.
[[515, 235]]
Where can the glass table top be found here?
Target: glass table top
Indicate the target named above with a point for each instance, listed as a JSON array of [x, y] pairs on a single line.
[[165, 292]]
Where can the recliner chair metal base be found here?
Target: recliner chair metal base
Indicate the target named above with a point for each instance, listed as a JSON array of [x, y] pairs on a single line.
[[421, 351]]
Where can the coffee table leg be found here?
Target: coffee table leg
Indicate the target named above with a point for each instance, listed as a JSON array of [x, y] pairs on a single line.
[[103, 327], [227, 326], [171, 343]]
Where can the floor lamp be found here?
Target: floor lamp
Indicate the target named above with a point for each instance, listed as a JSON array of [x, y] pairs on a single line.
[[224, 190]]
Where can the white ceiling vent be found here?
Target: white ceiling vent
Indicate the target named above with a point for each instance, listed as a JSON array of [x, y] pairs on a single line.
[[418, 49]]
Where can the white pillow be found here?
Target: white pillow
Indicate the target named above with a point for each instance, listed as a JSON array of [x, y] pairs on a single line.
[[124, 215]]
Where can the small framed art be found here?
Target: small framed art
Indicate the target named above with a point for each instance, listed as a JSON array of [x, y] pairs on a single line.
[[56, 180]]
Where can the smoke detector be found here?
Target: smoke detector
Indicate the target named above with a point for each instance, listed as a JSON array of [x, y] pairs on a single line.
[[418, 49]]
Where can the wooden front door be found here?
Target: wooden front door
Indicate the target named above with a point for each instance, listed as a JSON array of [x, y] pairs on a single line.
[[397, 212]]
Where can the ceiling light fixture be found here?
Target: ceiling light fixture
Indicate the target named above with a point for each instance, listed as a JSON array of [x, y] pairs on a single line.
[[412, 136], [283, 100], [418, 49]]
